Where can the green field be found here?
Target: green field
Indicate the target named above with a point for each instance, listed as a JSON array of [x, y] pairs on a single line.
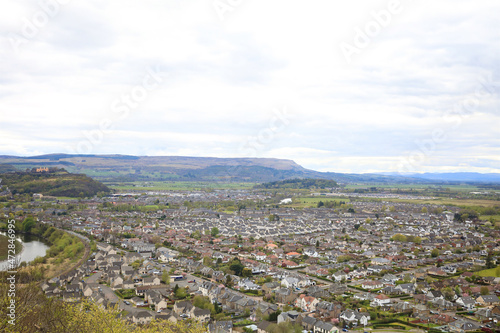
[[488, 272], [175, 186], [4, 243], [312, 202], [447, 201], [414, 186]]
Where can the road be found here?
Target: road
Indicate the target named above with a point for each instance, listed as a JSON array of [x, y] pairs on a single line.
[[94, 278], [109, 293]]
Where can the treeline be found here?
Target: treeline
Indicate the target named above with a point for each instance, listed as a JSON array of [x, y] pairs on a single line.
[[330, 204], [474, 212], [60, 183], [406, 238], [307, 183]]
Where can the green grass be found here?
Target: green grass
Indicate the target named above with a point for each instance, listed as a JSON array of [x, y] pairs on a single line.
[[312, 202], [414, 186], [488, 272], [66, 198], [449, 202]]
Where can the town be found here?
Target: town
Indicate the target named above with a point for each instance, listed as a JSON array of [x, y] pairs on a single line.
[[257, 260]]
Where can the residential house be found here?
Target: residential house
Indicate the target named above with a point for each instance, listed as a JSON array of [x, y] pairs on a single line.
[[328, 309], [306, 303], [462, 326], [324, 327], [141, 317], [284, 296], [354, 317], [488, 300], [466, 302]]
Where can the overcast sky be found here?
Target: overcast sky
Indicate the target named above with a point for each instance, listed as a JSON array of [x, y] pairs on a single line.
[[359, 86]]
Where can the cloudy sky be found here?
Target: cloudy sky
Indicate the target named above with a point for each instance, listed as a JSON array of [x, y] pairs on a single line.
[[360, 86]]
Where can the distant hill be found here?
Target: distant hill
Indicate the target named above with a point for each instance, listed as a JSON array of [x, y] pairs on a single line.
[[59, 183], [469, 177], [126, 168]]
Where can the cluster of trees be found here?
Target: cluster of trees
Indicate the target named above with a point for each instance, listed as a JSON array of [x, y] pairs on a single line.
[[406, 238], [203, 302], [55, 184], [473, 213], [330, 203], [180, 293], [63, 245], [237, 267]]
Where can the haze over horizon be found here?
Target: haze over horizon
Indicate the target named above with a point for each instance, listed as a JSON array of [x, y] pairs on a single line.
[[370, 86]]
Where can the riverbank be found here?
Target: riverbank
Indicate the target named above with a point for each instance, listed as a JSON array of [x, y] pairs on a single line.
[[67, 251], [4, 247]]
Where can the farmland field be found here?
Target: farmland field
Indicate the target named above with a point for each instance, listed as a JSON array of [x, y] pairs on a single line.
[[175, 186], [308, 202], [488, 272]]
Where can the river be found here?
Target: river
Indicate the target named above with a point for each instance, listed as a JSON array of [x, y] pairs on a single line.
[[33, 246]]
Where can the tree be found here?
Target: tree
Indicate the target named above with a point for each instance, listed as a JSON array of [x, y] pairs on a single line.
[[28, 224], [181, 293], [489, 261], [207, 261], [155, 239], [399, 238], [165, 277], [484, 290], [136, 264], [214, 232], [448, 293], [229, 281], [217, 307], [274, 315], [236, 267], [246, 272], [434, 253], [203, 302]]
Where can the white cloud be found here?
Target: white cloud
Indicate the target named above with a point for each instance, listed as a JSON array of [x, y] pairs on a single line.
[[222, 80]]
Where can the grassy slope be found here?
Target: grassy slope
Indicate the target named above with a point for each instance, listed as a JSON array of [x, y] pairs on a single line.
[[4, 243], [487, 272]]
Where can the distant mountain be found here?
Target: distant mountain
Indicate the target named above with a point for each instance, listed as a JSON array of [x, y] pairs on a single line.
[[458, 177], [127, 168]]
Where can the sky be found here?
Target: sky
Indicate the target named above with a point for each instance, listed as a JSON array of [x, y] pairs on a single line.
[[351, 86]]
